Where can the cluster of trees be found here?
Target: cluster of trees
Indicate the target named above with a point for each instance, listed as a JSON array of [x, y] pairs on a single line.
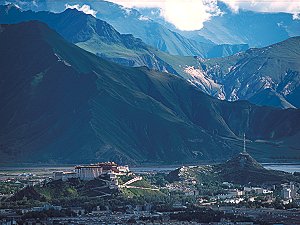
[[9, 188], [24, 203], [158, 179]]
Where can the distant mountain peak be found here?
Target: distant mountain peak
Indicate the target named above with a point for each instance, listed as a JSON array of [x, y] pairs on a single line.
[[267, 76], [10, 7], [73, 10]]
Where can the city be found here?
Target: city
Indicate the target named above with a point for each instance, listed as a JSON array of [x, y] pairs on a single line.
[[150, 112], [112, 194]]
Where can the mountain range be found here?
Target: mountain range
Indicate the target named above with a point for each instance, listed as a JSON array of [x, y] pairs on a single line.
[[247, 75], [100, 38], [257, 29], [157, 35], [62, 104], [92, 34], [264, 76], [130, 21]]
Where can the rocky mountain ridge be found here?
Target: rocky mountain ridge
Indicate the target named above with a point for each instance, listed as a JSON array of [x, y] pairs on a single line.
[[265, 76]]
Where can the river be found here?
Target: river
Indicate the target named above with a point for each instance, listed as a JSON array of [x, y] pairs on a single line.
[[287, 167]]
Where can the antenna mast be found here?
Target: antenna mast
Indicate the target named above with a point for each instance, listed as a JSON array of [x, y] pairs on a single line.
[[244, 143]]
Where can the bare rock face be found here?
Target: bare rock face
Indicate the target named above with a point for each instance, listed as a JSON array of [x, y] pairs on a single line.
[[265, 76]]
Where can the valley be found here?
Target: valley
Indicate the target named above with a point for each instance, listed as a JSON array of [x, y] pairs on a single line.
[[149, 112]]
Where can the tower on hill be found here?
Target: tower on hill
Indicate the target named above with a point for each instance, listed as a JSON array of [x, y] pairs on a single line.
[[244, 147]]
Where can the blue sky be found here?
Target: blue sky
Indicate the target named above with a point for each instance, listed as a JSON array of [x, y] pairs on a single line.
[[190, 14], [186, 14]]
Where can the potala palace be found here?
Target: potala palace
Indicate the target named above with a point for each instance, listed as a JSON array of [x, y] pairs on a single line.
[[92, 171]]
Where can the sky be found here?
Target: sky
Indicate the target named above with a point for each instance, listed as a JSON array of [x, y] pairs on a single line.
[[191, 14]]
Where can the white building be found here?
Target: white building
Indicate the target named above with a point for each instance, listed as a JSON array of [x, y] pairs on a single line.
[[231, 193], [88, 172], [258, 190], [293, 190], [266, 191], [64, 176], [123, 169], [69, 175], [46, 207], [92, 171], [58, 175], [287, 193]]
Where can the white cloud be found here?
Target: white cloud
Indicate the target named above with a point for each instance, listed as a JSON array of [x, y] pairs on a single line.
[[191, 14], [184, 14], [296, 16], [290, 6], [84, 8]]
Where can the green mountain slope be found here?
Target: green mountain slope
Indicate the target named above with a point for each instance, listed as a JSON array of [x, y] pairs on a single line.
[[63, 104], [93, 35], [102, 39]]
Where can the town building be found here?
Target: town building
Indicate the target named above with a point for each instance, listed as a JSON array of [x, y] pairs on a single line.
[[289, 191], [46, 207], [257, 190]]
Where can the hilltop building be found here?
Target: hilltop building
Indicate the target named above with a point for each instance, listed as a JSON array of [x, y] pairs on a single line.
[[92, 171], [89, 172], [64, 176]]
